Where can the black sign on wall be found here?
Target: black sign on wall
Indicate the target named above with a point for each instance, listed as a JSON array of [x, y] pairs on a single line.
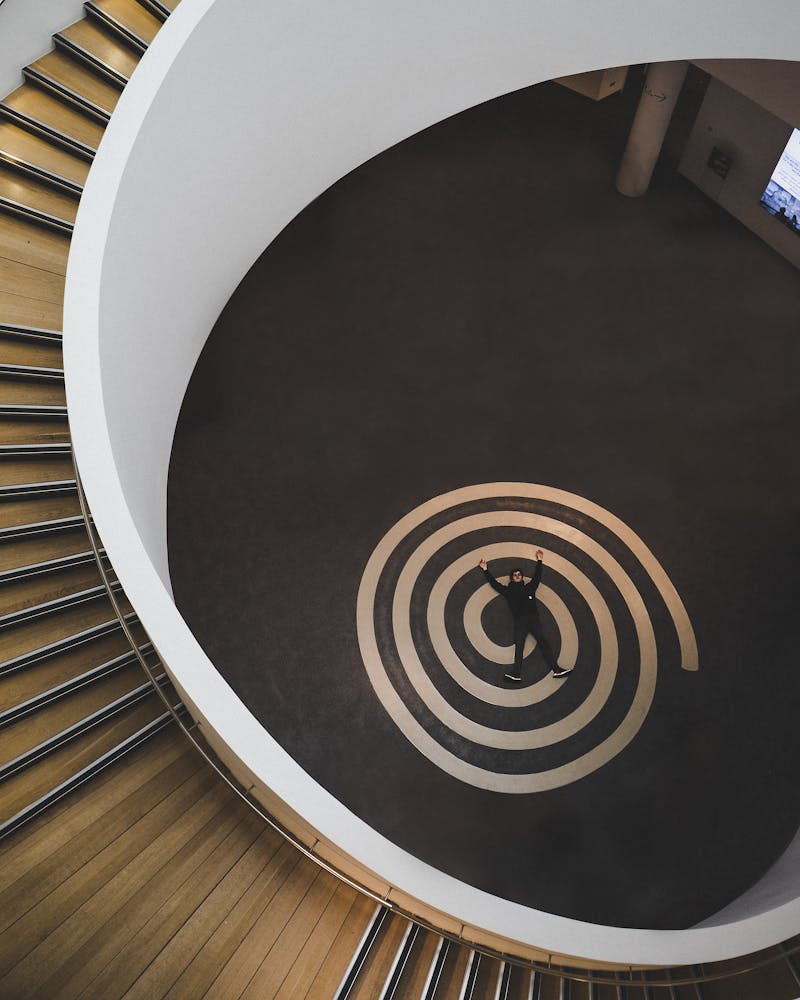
[[719, 162]]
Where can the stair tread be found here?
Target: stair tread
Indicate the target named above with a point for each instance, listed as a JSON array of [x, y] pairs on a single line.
[[26, 551], [29, 312], [31, 784], [28, 243], [36, 470], [20, 391], [25, 190], [25, 431], [24, 639], [102, 44], [36, 509], [33, 149], [33, 681], [45, 587], [30, 731], [49, 110], [34, 283], [133, 16], [77, 78], [341, 950]]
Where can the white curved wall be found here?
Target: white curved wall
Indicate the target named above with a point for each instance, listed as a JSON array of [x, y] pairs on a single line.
[[241, 113]]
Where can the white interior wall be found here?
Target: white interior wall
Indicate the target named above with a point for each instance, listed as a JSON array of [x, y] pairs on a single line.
[[25, 30], [241, 113], [755, 139]]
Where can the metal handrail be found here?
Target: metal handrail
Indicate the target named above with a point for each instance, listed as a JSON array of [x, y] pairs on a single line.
[[309, 852]]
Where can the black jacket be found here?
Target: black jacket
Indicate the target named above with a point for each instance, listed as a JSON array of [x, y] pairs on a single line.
[[520, 596]]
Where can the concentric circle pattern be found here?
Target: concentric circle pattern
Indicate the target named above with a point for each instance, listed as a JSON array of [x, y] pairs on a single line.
[[436, 639]]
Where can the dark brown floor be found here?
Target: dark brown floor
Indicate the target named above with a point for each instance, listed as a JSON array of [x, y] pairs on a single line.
[[381, 352]]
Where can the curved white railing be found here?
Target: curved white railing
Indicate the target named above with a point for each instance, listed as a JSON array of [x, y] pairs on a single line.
[[241, 113]]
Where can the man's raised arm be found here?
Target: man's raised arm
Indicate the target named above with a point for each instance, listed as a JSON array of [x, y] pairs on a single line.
[[490, 579], [537, 573]]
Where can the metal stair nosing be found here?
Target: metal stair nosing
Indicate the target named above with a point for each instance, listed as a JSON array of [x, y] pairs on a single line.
[[156, 8], [399, 962], [64, 93], [503, 982], [360, 954], [431, 984], [31, 411], [28, 491], [41, 174], [67, 603], [35, 528], [65, 645], [34, 215], [31, 372], [59, 691], [90, 60], [42, 449], [36, 334], [470, 975], [113, 24], [77, 729], [45, 131], [33, 810], [19, 573]]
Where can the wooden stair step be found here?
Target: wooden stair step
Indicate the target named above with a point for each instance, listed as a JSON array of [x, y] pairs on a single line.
[[23, 309], [380, 958], [197, 797], [23, 190], [32, 636], [32, 431], [21, 145], [37, 470], [340, 950], [38, 105], [83, 84], [31, 784], [233, 979], [46, 587], [27, 551], [35, 682], [84, 960], [25, 735], [293, 939], [415, 974], [130, 17], [21, 281], [60, 840], [306, 973], [171, 926], [453, 971], [35, 509], [103, 46], [20, 390], [28, 243]]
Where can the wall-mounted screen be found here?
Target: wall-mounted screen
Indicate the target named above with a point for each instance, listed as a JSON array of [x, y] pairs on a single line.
[[782, 195]]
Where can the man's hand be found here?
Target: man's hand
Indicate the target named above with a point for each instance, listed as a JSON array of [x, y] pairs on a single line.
[[539, 555], [483, 564]]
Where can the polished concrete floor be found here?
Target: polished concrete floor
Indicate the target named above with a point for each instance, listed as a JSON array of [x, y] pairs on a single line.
[[479, 306]]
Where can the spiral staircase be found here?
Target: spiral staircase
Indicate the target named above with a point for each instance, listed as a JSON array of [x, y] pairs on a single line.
[[131, 866]]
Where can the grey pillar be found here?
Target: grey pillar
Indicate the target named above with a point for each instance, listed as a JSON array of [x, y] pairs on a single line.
[[660, 93]]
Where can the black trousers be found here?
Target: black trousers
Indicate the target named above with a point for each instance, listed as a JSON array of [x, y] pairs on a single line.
[[530, 624]]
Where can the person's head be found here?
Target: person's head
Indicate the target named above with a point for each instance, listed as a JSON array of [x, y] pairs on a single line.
[[516, 575]]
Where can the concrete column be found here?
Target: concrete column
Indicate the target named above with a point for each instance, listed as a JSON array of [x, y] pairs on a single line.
[[660, 93]]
